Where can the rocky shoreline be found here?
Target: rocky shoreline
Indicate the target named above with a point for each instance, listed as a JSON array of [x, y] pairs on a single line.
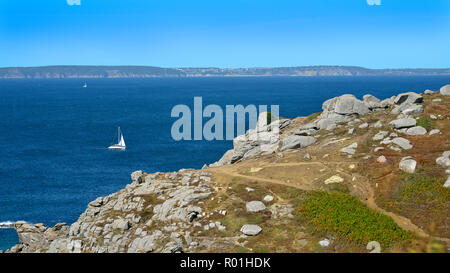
[[182, 211]]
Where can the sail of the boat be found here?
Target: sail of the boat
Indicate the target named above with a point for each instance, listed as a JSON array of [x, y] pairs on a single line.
[[122, 141]]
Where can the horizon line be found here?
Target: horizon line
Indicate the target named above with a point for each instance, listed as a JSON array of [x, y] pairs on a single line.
[[218, 67]]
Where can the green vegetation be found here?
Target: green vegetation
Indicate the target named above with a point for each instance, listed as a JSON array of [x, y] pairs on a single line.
[[425, 123], [313, 116], [421, 188], [269, 118], [348, 218]]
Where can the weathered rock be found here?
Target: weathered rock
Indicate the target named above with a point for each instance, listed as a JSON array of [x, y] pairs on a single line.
[[344, 105], [447, 183], [434, 132], [387, 102], [363, 126], [407, 164], [372, 102], [172, 247], [412, 109], [403, 123], [381, 159], [380, 135], [409, 97], [305, 132], [97, 202], [351, 149], [251, 230], [416, 131], [268, 198], [281, 211], [374, 247], [121, 224], [137, 177], [255, 206], [294, 142], [402, 143], [428, 92], [324, 243], [444, 160], [378, 125], [334, 179], [146, 244], [75, 246], [445, 90], [28, 234]]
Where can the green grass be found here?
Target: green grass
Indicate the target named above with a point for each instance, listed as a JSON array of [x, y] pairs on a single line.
[[423, 189], [425, 123], [348, 218]]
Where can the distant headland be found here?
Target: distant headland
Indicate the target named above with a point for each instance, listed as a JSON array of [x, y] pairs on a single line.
[[82, 71]]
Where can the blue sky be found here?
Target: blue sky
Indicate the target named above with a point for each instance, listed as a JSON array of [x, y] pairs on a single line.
[[231, 33]]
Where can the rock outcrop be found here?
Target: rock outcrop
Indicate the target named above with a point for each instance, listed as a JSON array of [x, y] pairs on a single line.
[[445, 90], [183, 211]]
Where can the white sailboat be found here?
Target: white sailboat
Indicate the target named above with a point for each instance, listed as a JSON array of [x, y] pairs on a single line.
[[121, 145], [85, 85]]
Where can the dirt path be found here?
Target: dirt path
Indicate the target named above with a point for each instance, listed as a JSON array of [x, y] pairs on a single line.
[[363, 184]]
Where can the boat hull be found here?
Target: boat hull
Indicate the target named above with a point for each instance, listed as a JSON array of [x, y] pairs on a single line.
[[117, 147]]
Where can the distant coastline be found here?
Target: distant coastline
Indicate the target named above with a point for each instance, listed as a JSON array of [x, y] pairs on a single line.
[[85, 72]]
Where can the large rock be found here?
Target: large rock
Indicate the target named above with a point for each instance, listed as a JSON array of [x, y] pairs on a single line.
[[334, 179], [412, 109], [28, 234], [255, 206], [137, 176], [305, 132], [445, 90], [294, 142], [374, 103], [409, 97], [402, 143], [344, 105], [351, 149], [263, 119], [416, 131], [403, 123], [380, 135], [121, 224], [146, 244], [407, 164], [444, 160], [251, 230]]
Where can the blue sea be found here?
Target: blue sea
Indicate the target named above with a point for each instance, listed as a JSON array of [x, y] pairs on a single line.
[[54, 133]]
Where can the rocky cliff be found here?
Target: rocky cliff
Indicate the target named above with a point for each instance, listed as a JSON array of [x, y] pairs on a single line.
[[365, 175], [85, 71]]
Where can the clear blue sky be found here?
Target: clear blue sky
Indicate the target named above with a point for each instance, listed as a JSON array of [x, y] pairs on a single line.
[[226, 33]]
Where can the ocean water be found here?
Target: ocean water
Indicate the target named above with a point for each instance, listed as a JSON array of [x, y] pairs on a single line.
[[54, 133]]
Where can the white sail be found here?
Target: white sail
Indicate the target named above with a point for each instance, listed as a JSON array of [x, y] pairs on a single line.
[[121, 145], [122, 141]]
